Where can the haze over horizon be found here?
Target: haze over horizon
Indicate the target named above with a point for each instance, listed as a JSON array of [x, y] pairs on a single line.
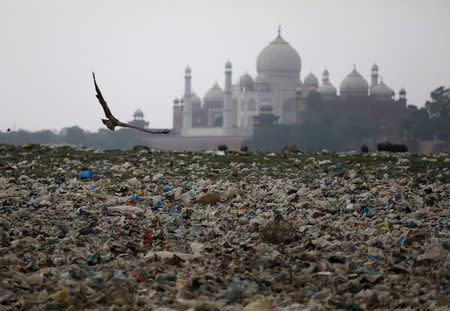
[[140, 49]]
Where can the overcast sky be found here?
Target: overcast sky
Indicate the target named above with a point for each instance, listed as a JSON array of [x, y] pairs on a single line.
[[139, 50]]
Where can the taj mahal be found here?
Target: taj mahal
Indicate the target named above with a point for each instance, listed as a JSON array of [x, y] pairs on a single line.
[[278, 88]]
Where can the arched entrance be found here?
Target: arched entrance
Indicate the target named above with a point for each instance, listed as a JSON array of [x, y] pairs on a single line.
[[218, 121]]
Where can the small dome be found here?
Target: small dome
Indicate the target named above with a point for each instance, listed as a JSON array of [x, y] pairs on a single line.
[[188, 70], [325, 73], [215, 94], [279, 59], [311, 81], [195, 100], [402, 91], [228, 64], [245, 79], [375, 67], [381, 90], [354, 84], [138, 114]]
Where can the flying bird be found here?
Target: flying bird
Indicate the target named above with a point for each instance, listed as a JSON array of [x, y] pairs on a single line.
[[111, 122]]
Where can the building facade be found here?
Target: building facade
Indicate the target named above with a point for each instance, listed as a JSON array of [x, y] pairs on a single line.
[[277, 87]]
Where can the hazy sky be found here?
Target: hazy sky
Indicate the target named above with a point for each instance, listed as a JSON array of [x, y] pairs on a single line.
[[139, 50]]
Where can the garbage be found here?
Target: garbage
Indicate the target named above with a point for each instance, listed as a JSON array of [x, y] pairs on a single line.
[[61, 296], [190, 231], [209, 198], [85, 175], [290, 149], [222, 147]]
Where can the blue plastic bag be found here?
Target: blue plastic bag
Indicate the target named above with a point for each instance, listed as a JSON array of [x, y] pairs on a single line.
[[85, 175]]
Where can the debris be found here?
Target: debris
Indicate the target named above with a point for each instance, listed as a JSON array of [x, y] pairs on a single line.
[[209, 198], [85, 175], [190, 231]]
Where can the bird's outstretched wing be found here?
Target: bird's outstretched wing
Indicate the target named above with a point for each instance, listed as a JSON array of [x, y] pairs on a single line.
[[111, 122], [151, 131]]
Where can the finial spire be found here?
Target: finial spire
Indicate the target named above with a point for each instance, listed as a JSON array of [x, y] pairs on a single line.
[[279, 30]]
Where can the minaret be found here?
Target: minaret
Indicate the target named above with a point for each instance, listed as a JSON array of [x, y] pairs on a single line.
[[299, 110], [374, 76], [402, 99], [227, 97], [187, 109], [325, 77], [402, 93], [177, 115]]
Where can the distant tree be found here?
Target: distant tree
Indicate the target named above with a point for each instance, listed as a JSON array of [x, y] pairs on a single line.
[[416, 123], [430, 121], [46, 137], [74, 135], [439, 105], [315, 104], [103, 139]]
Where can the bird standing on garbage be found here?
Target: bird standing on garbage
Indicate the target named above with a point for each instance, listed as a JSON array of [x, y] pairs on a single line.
[[112, 122]]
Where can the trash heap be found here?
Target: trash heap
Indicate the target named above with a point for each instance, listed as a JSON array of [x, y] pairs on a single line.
[[123, 230]]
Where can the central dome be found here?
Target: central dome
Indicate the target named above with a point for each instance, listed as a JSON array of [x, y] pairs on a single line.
[[279, 59]]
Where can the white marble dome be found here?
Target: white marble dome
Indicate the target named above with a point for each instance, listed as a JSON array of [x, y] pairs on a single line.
[[354, 84], [279, 59], [215, 94]]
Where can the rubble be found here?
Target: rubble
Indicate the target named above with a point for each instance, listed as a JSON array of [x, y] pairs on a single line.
[[144, 229]]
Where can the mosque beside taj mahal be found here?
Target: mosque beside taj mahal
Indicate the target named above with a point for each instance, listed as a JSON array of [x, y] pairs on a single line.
[[278, 90]]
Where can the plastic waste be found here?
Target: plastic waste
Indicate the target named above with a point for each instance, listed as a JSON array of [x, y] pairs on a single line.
[[190, 231], [85, 175]]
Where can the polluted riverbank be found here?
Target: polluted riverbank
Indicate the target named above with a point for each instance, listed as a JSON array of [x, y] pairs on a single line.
[[84, 229]]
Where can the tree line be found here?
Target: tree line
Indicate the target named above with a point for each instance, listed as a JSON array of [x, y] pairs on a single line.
[[432, 120], [75, 136]]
